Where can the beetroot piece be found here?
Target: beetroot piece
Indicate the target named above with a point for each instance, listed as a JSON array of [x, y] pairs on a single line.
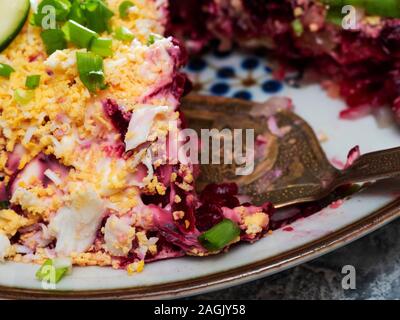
[[181, 56], [258, 9], [174, 235], [223, 194], [179, 87], [180, 84], [119, 118], [166, 250], [216, 196], [157, 199], [189, 10], [3, 192], [213, 198], [207, 216], [163, 174], [390, 38], [219, 190]]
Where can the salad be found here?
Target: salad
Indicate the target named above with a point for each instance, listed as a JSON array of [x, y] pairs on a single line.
[[87, 101]]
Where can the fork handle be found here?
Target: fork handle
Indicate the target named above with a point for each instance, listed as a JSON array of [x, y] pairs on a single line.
[[372, 166]]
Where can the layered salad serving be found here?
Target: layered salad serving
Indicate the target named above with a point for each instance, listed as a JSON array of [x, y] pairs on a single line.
[[89, 109], [90, 120]]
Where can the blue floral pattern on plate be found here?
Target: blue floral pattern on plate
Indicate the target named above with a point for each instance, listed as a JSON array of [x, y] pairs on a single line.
[[233, 74]]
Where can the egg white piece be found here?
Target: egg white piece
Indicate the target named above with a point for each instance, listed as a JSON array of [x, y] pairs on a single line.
[[75, 226], [118, 235], [141, 124]]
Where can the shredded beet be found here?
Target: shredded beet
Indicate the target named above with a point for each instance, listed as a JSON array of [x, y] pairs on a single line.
[[119, 118], [223, 194], [208, 215], [352, 156], [213, 198], [166, 250]]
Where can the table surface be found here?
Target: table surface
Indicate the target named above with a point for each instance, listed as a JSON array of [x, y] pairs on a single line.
[[376, 259]]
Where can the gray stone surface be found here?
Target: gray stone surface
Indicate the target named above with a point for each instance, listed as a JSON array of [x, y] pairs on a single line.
[[376, 258]]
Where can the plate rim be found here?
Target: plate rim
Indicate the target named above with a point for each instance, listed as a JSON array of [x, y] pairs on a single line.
[[232, 277]]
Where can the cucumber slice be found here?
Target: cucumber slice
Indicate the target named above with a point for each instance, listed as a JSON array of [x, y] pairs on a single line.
[[13, 15]]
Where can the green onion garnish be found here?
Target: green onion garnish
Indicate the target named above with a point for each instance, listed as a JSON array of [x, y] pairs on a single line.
[[102, 47], [78, 34], [23, 96], [297, 27], [32, 82], [90, 67], [54, 40], [4, 204], [220, 235], [53, 270], [62, 10], [76, 13], [124, 34], [85, 19], [151, 40], [6, 70], [123, 8], [97, 15]]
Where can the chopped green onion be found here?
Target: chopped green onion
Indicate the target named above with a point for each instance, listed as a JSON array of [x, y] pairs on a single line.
[[124, 34], [23, 97], [102, 47], [78, 34], [297, 27], [97, 15], [53, 270], [62, 10], [4, 205], [90, 67], [32, 82], [220, 235], [6, 70], [77, 13], [123, 8], [152, 39], [54, 40]]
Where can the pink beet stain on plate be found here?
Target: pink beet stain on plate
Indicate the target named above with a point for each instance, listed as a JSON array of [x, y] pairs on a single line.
[[336, 204], [288, 229]]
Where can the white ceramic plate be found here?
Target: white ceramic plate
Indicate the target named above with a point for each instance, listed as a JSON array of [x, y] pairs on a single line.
[[245, 75]]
